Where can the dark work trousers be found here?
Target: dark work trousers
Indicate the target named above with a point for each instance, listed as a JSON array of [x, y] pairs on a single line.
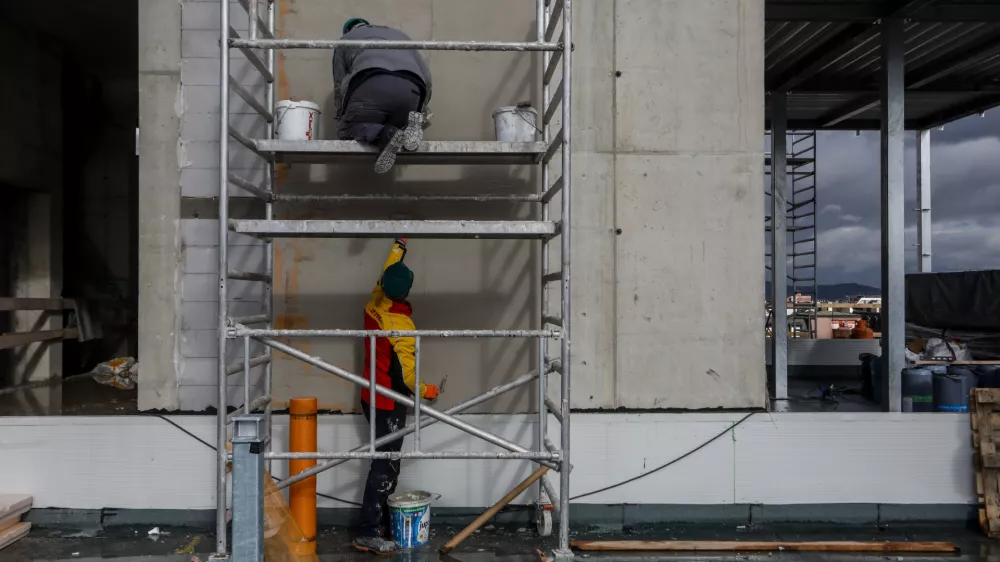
[[383, 474], [381, 100]]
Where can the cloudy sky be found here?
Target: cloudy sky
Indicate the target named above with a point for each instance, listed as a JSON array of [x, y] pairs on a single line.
[[965, 170]]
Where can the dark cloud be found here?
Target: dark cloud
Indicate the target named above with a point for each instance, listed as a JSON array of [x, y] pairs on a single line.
[[965, 172]]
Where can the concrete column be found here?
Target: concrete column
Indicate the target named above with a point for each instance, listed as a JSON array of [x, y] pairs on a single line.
[[924, 201], [893, 325], [779, 246], [159, 201]]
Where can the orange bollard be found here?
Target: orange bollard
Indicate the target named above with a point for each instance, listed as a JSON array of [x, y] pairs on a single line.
[[302, 495]]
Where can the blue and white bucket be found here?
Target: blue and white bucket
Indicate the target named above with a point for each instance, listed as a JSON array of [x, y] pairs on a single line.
[[411, 517]]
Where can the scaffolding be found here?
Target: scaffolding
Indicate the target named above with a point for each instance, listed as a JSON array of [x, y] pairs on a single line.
[[801, 228], [552, 154]]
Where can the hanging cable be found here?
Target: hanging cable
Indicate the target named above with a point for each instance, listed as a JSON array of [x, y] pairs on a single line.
[[662, 466], [212, 447]]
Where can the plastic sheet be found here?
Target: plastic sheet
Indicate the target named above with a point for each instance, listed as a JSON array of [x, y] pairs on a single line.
[[282, 536]]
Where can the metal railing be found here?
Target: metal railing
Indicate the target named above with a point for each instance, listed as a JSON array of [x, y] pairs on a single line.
[[552, 17]]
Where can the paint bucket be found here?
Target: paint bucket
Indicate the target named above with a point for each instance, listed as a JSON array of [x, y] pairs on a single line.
[[515, 123], [918, 387], [411, 517], [297, 120], [951, 390]]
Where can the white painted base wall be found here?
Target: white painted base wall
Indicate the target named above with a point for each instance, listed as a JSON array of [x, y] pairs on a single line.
[[142, 462]]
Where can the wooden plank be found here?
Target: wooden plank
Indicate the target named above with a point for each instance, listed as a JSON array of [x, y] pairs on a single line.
[[9, 503], [761, 546], [11, 534], [13, 519], [16, 339], [978, 362]]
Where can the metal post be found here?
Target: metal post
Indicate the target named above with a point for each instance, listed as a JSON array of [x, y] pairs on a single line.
[[269, 215], [249, 440], [567, 316], [220, 435], [542, 343], [252, 13], [924, 201], [372, 396], [417, 393], [893, 170], [246, 374], [779, 244]]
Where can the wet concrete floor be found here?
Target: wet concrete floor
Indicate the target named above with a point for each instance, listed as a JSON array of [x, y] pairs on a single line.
[[500, 544]]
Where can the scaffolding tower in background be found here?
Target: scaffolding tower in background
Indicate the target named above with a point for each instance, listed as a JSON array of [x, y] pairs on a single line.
[[553, 154], [800, 225]]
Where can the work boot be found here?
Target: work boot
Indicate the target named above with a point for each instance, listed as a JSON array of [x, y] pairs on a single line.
[[414, 132], [375, 545], [390, 140]]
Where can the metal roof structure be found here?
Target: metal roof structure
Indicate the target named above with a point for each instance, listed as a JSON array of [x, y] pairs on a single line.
[[826, 55]]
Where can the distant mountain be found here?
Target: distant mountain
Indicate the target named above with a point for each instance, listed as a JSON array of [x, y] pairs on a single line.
[[837, 292]]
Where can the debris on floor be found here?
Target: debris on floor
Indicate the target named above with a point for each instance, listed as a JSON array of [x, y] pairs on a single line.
[[121, 373]]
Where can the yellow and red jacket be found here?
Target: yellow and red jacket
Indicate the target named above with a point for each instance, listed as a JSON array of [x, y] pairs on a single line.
[[394, 357]]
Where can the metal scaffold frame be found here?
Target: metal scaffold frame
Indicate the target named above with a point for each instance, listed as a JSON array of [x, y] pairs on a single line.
[[251, 432], [799, 227]]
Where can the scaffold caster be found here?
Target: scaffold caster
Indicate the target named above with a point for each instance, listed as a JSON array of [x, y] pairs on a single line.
[[543, 519]]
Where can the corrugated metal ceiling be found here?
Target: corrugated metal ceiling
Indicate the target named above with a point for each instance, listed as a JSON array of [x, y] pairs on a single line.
[[833, 65]]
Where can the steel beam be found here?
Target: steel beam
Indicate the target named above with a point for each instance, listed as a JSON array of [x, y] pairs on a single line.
[[843, 44], [959, 111], [779, 244], [840, 11], [893, 171], [980, 51], [924, 201], [847, 111]]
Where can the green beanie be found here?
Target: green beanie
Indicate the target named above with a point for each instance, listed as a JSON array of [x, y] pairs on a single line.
[[349, 24], [397, 280]]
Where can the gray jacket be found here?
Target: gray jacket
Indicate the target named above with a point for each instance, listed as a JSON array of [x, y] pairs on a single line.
[[348, 62]]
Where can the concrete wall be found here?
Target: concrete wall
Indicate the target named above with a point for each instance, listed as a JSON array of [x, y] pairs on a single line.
[[669, 152], [31, 185]]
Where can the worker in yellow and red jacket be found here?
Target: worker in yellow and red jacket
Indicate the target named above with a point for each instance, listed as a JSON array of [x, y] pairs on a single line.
[[388, 309]]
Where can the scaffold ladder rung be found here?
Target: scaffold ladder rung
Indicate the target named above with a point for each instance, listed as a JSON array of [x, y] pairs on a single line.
[[394, 229]]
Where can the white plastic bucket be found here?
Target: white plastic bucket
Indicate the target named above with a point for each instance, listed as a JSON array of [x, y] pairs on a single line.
[[515, 123], [297, 120], [411, 517]]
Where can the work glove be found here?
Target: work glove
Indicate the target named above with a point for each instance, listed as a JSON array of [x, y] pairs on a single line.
[[431, 392]]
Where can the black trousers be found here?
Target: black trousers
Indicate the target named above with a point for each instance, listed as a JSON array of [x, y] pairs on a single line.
[[383, 474], [379, 101]]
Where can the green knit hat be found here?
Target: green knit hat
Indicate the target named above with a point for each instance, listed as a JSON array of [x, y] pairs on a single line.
[[351, 23], [397, 280]]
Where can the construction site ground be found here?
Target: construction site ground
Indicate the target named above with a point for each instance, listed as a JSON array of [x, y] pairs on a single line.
[[500, 543]]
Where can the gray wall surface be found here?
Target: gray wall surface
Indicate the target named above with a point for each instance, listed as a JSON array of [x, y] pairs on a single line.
[[670, 152]]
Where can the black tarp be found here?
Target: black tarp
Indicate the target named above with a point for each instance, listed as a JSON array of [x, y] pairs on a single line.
[[965, 300]]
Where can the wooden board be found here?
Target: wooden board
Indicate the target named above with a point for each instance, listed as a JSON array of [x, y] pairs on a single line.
[[13, 518], [941, 362], [760, 546], [10, 503], [984, 413], [11, 534]]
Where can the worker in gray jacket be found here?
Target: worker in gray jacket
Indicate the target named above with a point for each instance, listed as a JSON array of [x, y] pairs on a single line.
[[380, 93]]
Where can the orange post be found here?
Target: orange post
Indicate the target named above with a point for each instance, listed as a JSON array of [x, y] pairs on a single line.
[[302, 495]]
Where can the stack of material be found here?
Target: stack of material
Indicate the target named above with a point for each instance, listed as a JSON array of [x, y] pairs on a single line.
[[12, 508], [985, 416]]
